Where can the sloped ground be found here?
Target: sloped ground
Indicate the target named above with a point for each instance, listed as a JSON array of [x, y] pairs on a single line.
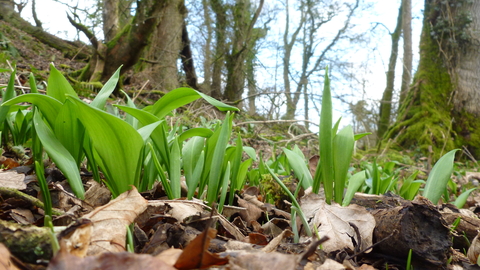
[[30, 55]]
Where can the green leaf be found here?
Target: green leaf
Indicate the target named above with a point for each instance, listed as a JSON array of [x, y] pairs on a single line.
[[175, 170], [46, 104], [60, 155], [8, 95], [343, 144], [182, 96], [102, 96], [462, 199], [325, 166], [129, 118], [225, 181], [191, 152], [161, 173], [299, 167], [58, 87], [69, 131], [438, 178], [214, 181], [201, 132], [361, 135], [355, 182], [250, 152], [33, 83], [242, 173], [119, 146]]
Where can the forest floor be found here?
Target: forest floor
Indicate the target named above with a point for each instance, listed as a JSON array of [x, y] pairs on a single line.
[[373, 232]]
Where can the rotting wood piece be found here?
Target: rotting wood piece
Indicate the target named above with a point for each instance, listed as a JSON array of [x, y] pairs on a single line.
[[28, 243], [419, 226]]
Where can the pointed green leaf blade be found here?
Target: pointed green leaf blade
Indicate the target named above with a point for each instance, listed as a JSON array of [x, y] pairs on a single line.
[[58, 87], [438, 178], [118, 145], [102, 96], [60, 155]]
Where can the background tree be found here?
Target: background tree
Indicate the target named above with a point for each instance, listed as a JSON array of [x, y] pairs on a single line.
[[243, 42], [387, 98], [161, 56], [407, 48], [315, 17], [441, 108]]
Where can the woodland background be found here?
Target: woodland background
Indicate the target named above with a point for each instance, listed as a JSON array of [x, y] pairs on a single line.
[[269, 58]]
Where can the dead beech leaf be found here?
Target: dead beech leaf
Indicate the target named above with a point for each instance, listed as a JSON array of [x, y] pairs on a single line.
[[259, 260], [22, 216], [9, 163], [5, 261], [474, 250], [12, 179], [109, 222], [169, 256], [252, 211], [76, 238], [333, 221], [120, 260], [196, 254]]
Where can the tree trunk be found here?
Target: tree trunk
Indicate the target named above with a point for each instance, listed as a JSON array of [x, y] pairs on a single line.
[[207, 52], [441, 108], [125, 49], [165, 47], [407, 48], [187, 59], [220, 47], [242, 44], [386, 102], [110, 19]]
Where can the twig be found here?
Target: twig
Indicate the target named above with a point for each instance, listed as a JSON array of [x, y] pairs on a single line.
[[275, 121], [140, 91], [11, 192], [372, 246], [16, 77]]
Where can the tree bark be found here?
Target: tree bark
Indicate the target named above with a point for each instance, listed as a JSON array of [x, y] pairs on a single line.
[[126, 48], [110, 19], [165, 47], [220, 47], [187, 59], [242, 44], [441, 108], [386, 102], [407, 48]]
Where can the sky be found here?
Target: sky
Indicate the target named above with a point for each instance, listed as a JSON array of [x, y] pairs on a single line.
[[53, 16]]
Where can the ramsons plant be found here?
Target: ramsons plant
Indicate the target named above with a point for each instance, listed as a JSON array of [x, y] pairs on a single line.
[[135, 151]]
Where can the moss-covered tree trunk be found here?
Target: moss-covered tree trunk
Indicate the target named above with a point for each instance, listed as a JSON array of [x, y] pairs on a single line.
[[441, 108]]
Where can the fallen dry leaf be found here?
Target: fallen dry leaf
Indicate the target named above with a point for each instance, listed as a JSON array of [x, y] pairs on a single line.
[[76, 238], [258, 260], [474, 250], [22, 216], [252, 211], [109, 222], [330, 264], [276, 241], [334, 221], [196, 254], [106, 261], [170, 256], [12, 179], [5, 260]]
